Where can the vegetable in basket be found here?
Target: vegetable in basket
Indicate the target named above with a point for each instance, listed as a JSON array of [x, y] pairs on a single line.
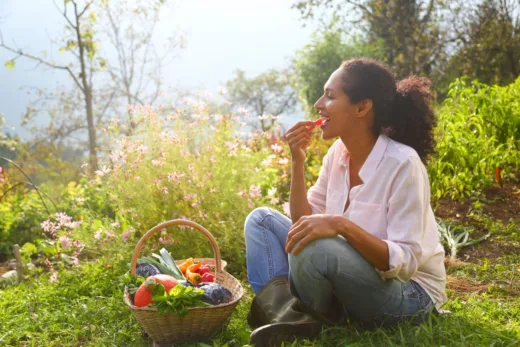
[[146, 270], [192, 275], [215, 293], [164, 263], [143, 295]]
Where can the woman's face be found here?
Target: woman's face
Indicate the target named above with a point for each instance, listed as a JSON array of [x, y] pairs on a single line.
[[341, 117]]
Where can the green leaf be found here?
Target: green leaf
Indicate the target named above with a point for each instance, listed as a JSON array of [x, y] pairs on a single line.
[[9, 64]]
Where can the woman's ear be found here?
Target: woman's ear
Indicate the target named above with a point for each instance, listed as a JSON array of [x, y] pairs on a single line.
[[364, 107]]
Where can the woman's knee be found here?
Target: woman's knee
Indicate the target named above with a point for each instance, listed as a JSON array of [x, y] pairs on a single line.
[[254, 219], [321, 253]]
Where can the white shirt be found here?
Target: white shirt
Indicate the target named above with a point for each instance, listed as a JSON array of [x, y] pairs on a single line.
[[393, 203]]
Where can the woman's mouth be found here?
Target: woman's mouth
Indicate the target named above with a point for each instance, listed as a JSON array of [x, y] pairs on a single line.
[[322, 122]]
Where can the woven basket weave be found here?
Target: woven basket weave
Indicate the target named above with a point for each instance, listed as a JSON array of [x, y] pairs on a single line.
[[200, 322]]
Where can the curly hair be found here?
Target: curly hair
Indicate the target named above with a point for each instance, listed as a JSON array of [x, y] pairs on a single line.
[[402, 110]]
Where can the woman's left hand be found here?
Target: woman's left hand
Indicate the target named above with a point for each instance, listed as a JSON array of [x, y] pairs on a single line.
[[310, 228]]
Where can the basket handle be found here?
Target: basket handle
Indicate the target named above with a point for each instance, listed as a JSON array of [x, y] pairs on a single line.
[[183, 222]]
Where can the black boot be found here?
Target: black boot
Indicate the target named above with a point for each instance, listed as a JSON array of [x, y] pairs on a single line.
[[281, 317]]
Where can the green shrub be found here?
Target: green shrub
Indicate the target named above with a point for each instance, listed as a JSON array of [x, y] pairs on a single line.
[[478, 130]]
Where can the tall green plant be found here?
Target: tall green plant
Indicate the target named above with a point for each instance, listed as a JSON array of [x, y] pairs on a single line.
[[478, 130]]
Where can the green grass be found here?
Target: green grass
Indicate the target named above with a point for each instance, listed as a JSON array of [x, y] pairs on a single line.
[[85, 308]]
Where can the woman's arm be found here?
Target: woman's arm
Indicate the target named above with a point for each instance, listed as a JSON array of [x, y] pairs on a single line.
[[372, 248], [298, 138], [314, 227]]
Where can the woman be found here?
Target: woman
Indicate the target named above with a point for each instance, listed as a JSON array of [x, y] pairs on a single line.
[[364, 237]]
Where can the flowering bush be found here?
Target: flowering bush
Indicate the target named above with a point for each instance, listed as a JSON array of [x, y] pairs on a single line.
[[197, 165]]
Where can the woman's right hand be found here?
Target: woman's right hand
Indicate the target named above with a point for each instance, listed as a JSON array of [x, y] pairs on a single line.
[[298, 138]]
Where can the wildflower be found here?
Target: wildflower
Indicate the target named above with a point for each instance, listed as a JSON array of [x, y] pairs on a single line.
[[157, 163], [54, 277], [75, 260], [213, 190], [255, 191], [77, 243], [166, 240], [104, 170], [125, 235], [174, 176], [164, 190], [115, 225], [74, 225], [65, 242], [283, 161], [241, 194], [63, 218], [97, 235], [49, 227], [277, 148]]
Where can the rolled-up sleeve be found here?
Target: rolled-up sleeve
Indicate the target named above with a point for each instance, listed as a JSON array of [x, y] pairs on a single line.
[[317, 194], [406, 217]]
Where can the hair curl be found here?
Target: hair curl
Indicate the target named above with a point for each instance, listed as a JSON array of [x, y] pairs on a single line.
[[402, 110]]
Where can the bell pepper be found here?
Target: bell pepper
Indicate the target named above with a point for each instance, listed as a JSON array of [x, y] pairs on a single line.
[[208, 277], [203, 269], [192, 275], [184, 266]]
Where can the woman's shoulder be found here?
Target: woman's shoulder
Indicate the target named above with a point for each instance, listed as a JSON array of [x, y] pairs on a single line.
[[401, 153]]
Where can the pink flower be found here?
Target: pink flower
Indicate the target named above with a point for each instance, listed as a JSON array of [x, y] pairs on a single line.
[[54, 277], [65, 242], [125, 235], [166, 240], [49, 227], [277, 148], [76, 243], [255, 191], [97, 235], [75, 260], [174, 176], [157, 163], [164, 190]]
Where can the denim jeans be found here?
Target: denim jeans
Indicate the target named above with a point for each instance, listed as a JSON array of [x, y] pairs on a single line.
[[326, 271]]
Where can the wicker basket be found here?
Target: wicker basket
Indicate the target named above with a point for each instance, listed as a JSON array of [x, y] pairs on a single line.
[[200, 322]]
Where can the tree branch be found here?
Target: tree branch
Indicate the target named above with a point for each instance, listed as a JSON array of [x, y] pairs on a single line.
[[39, 60]]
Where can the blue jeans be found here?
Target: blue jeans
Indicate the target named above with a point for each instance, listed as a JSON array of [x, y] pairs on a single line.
[[329, 269]]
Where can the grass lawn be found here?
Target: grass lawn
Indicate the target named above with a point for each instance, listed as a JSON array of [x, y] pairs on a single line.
[[85, 307]]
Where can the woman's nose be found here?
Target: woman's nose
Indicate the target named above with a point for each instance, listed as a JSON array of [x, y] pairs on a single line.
[[317, 104]]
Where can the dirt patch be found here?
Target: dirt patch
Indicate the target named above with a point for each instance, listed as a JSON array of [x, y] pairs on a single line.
[[465, 286], [501, 203]]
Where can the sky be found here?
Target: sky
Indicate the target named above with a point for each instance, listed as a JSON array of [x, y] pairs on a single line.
[[221, 36]]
